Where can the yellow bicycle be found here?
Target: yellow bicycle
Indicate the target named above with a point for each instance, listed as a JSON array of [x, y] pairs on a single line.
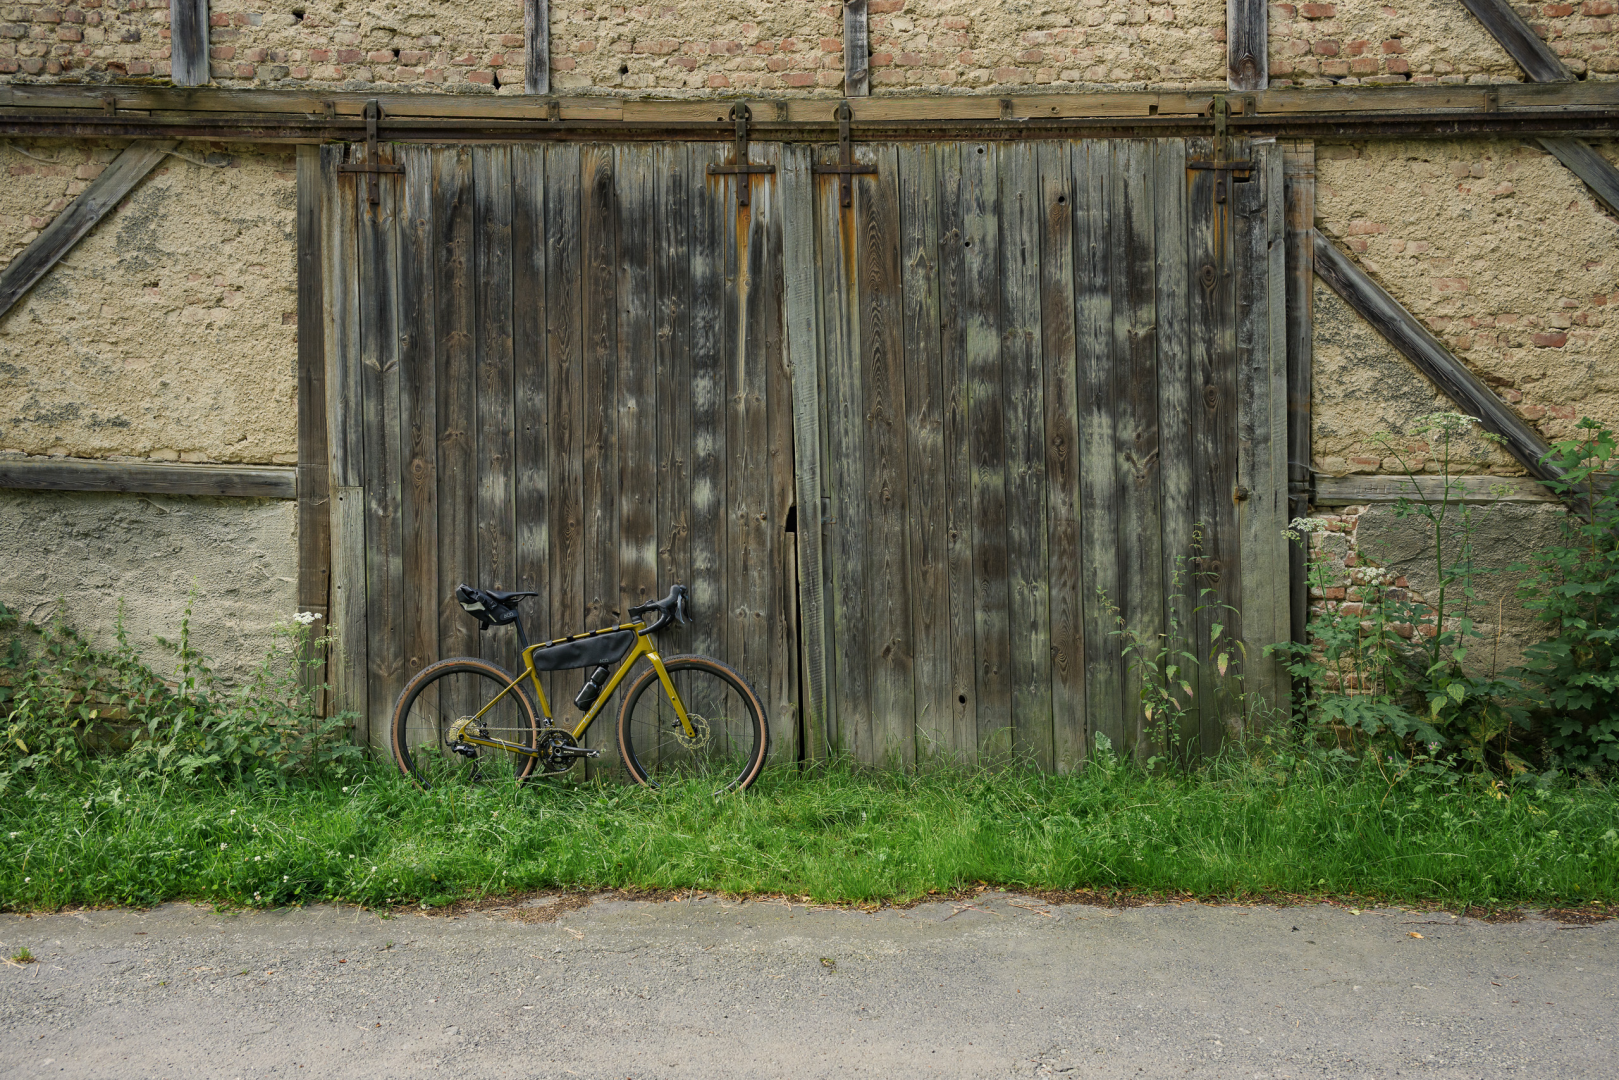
[[468, 719]]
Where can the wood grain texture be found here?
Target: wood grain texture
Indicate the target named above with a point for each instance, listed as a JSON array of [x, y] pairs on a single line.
[[378, 271], [1059, 345], [537, 46], [1022, 401], [1247, 48], [856, 49], [154, 478], [1413, 341], [986, 437], [638, 411], [531, 398], [313, 482], [1098, 446], [1175, 284], [492, 364], [711, 217], [1138, 454], [1355, 490], [74, 223], [957, 460], [1299, 196], [418, 414], [672, 353], [188, 42], [565, 378], [926, 473], [881, 350], [1519, 39]]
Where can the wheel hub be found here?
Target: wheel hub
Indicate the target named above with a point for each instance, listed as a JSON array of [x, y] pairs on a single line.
[[700, 732]]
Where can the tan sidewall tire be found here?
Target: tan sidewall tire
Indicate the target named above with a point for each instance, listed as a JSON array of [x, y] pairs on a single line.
[[724, 670], [432, 671]]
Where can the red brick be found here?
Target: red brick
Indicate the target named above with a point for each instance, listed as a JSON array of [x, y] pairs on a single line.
[[1598, 7], [1557, 11], [485, 77], [1325, 47], [799, 78], [1549, 341], [1398, 65], [1318, 11]]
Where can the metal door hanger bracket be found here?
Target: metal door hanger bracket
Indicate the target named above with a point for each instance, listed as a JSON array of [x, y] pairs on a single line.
[[372, 167], [1239, 170], [740, 164], [846, 166]]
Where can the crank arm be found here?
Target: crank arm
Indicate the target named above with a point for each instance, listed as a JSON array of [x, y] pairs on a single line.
[[576, 751]]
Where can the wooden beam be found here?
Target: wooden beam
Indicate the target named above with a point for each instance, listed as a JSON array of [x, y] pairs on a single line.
[[188, 42], [314, 482], [1247, 50], [71, 225], [1581, 159], [1519, 40], [856, 49], [1357, 490], [1299, 195], [1413, 341], [147, 478], [537, 38]]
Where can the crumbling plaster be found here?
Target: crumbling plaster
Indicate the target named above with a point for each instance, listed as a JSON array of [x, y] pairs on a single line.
[[170, 331], [1502, 253]]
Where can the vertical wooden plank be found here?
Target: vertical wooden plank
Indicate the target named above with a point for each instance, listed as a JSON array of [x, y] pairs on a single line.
[[1098, 486], [673, 178], [565, 376], [780, 591], [1214, 434], [537, 49], [1247, 49], [188, 42], [927, 480], [418, 413], [856, 49], [314, 478], [802, 349], [986, 424], [454, 383], [1261, 494], [957, 459], [531, 446], [1022, 397], [637, 413], [1060, 360], [1135, 423], [492, 357], [888, 603], [1299, 170], [378, 269], [340, 283], [850, 647], [600, 247], [711, 211], [1175, 403]]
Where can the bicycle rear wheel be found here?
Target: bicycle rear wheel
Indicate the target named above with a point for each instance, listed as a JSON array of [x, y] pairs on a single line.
[[449, 691], [731, 739]]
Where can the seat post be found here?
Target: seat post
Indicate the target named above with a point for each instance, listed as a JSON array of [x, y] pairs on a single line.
[[522, 638]]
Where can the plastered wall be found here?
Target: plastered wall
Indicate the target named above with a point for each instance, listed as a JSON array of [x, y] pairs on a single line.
[[1502, 254], [170, 331]]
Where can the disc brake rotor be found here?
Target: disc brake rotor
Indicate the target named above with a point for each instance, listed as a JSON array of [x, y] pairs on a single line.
[[700, 732]]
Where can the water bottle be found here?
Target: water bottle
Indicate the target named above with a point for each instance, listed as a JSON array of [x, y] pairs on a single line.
[[592, 689]]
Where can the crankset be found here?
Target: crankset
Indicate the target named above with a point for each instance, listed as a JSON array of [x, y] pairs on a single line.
[[558, 750]]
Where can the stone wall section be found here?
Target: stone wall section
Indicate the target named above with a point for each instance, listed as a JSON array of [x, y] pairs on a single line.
[[1502, 254], [170, 331]]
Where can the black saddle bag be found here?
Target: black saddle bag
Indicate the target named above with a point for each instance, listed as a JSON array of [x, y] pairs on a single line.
[[601, 651]]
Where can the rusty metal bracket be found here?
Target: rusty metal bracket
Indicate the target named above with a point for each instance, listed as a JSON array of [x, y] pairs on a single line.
[[372, 167], [846, 166], [740, 165], [1222, 162]]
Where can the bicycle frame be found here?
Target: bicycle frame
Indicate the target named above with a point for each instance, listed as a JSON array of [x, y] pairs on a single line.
[[643, 647]]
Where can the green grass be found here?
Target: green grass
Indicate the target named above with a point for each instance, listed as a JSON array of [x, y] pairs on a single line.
[[1237, 829]]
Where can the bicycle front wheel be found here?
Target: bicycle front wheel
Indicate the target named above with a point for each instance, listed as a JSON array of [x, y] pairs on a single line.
[[438, 706], [729, 739]]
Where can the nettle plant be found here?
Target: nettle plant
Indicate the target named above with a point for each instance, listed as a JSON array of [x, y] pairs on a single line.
[[1391, 672]]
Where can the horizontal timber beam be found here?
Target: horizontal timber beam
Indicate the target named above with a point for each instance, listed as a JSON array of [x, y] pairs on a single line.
[[1526, 110], [1413, 341], [1355, 490], [147, 478]]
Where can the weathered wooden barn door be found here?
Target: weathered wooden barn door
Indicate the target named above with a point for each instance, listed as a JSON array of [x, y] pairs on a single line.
[[556, 368], [1051, 407]]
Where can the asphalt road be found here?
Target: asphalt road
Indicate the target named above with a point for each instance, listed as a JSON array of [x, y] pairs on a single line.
[[1001, 987]]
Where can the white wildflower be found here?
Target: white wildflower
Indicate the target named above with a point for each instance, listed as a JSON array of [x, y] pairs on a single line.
[[222, 847], [307, 618]]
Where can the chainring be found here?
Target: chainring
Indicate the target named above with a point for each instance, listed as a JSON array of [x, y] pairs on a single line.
[[700, 732], [552, 739]]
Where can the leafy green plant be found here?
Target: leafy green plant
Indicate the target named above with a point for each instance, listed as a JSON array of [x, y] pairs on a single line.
[[67, 706], [1574, 589], [1393, 674]]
